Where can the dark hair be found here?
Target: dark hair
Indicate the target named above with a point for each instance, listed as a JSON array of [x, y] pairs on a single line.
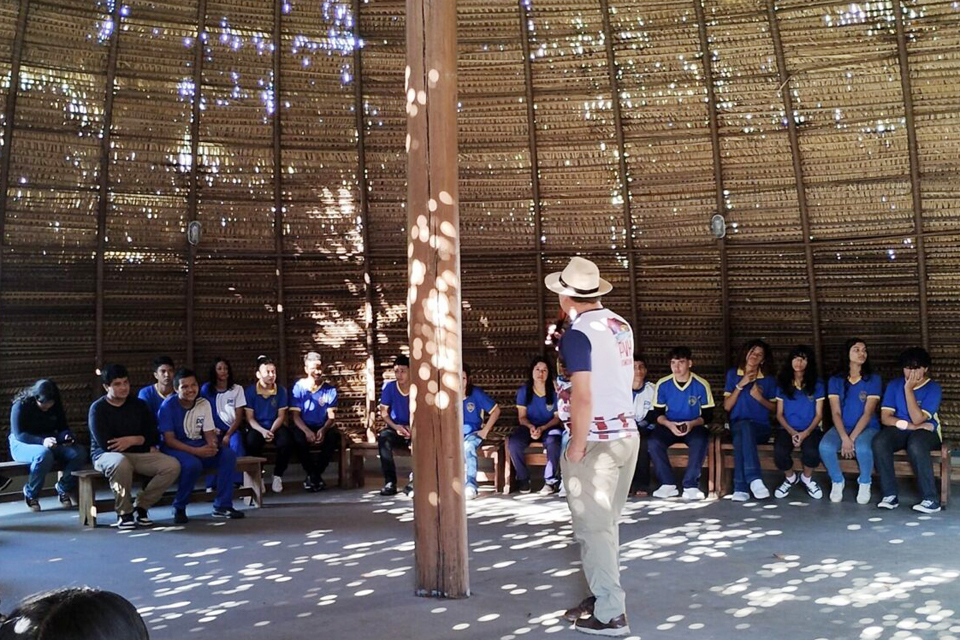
[[785, 377], [766, 367], [586, 299], [678, 353], [182, 373], [638, 357], [212, 374], [112, 372], [551, 392], [262, 360], [401, 361], [469, 388], [41, 391], [843, 369], [915, 357], [74, 614], [159, 361]]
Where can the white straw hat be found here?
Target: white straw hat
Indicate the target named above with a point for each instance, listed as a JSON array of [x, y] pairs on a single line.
[[580, 279]]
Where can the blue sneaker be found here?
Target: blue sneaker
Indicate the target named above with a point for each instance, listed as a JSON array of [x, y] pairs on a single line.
[[927, 506]]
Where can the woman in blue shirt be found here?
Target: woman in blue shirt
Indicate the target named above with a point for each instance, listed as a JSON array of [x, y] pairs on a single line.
[[799, 411], [747, 399], [854, 394], [537, 415], [477, 405]]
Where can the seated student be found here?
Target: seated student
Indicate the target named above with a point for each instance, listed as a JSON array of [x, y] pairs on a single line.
[[266, 408], [313, 405], [40, 437], [395, 411], [854, 393], [747, 400], [800, 396], [123, 434], [537, 415], [644, 393], [155, 394], [74, 613], [910, 421], [476, 405], [684, 404], [190, 436], [228, 400]]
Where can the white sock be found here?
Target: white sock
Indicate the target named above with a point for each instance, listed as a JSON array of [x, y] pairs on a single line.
[[805, 479]]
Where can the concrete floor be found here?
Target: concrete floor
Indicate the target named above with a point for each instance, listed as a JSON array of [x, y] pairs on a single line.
[[339, 565]]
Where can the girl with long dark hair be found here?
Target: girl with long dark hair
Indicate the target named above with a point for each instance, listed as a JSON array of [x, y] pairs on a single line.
[[800, 396], [537, 415], [227, 399]]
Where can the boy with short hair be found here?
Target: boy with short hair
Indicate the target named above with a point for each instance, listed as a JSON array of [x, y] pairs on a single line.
[[313, 405], [684, 404], [395, 412], [155, 394]]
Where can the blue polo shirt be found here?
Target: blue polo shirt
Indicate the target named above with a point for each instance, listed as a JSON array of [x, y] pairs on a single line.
[[152, 397], [539, 411], [683, 402], [265, 405], [853, 398], [313, 402], [800, 410], [747, 408], [928, 397], [475, 406], [397, 402]]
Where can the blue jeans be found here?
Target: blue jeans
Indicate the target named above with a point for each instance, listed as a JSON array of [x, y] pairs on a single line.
[[747, 434], [470, 444], [239, 448], [697, 441], [67, 457], [520, 439], [863, 447], [191, 466]]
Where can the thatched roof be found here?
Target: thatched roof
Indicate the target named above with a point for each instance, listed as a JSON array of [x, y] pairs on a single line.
[[796, 119]]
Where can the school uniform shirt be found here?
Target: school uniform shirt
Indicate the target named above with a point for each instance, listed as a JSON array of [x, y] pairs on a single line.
[[264, 403], [224, 403], [682, 402], [564, 388], [153, 398], [747, 407], [601, 342], [642, 404], [188, 425], [397, 402], [853, 398], [475, 406], [540, 410], [800, 410], [312, 402], [928, 397]]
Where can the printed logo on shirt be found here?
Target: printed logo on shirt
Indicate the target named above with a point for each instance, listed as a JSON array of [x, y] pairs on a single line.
[[471, 407], [273, 402], [193, 429], [624, 337], [549, 407], [694, 401], [863, 396]]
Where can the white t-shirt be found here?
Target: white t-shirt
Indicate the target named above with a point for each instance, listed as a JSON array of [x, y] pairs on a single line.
[[643, 403], [228, 402]]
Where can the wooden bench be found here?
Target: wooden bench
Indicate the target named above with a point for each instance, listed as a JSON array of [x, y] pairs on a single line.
[[353, 458], [941, 461], [90, 479], [270, 457], [19, 470]]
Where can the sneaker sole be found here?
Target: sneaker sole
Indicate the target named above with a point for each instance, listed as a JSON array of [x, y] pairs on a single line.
[[889, 507], [610, 633], [925, 510]]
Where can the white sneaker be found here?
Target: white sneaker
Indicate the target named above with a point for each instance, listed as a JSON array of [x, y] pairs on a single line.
[[784, 489], [692, 493], [813, 489], [836, 492], [277, 484], [863, 494], [666, 491], [563, 491], [470, 492], [740, 496], [760, 491]]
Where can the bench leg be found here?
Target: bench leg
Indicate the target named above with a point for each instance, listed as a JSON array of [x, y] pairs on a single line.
[[253, 478], [357, 471], [507, 471], [944, 475], [498, 483], [343, 474], [711, 467], [87, 506]]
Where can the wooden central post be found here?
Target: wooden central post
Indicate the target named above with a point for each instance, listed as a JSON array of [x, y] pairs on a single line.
[[433, 299]]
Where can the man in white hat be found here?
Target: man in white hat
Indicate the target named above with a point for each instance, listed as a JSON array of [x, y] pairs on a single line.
[[599, 460]]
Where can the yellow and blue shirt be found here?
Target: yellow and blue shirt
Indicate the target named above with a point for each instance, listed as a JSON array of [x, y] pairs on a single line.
[[264, 403], [853, 398], [152, 397], [312, 402], [928, 395], [800, 410], [540, 411], [685, 401], [397, 402], [475, 406], [747, 407]]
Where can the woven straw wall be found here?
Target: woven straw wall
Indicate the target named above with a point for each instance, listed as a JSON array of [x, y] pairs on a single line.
[[619, 146]]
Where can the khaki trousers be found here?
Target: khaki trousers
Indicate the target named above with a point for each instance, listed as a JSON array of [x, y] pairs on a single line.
[[120, 467], [597, 489]]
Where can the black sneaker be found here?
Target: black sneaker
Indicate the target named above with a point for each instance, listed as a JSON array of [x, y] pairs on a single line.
[[180, 516], [523, 486], [126, 522], [140, 515], [319, 484], [408, 490], [616, 627], [228, 512], [33, 503], [309, 486], [63, 496], [389, 489], [5, 482]]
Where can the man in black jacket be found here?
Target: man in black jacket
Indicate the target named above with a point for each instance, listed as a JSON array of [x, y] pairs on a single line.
[[123, 437]]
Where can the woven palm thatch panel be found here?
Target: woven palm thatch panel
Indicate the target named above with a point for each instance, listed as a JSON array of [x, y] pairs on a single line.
[[51, 219], [47, 325], [943, 275], [241, 226], [868, 290], [9, 12], [324, 307], [769, 297], [146, 223], [679, 299], [236, 312]]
